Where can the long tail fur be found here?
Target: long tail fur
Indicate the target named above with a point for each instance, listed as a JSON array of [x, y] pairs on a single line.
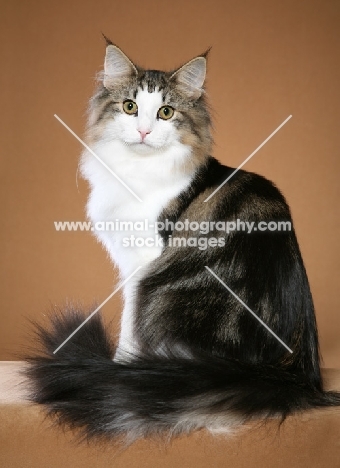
[[151, 394]]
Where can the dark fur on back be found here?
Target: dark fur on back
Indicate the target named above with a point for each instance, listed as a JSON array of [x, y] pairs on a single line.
[[180, 300]]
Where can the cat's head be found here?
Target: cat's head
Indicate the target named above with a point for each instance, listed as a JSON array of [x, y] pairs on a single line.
[[151, 110]]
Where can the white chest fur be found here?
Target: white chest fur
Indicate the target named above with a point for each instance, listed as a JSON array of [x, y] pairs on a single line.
[[156, 179]]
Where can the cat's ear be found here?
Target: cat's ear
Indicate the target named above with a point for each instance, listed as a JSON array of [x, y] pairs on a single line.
[[117, 66], [190, 77]]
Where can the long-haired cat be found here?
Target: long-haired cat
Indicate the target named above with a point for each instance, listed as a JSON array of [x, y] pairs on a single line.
[[190, 354]]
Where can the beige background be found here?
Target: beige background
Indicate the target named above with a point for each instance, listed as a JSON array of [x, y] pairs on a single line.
[[269, 59]]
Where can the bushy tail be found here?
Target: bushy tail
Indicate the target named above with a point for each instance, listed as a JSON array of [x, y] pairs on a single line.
[[83, 387]]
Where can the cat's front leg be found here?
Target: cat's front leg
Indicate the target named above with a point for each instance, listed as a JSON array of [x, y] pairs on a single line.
[[127, 342], [127, 345]]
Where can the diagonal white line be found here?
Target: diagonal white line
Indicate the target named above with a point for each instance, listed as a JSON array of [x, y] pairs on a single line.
[[246, 160], [98, 308], [97, 157], [253, 313]]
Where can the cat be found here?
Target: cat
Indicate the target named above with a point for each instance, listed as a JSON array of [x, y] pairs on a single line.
[[190, 354]]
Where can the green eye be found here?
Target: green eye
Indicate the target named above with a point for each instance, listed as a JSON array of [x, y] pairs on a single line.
[[130, 107], [166, 112]]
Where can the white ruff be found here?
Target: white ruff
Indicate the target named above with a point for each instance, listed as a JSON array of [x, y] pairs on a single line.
[[152, 171]]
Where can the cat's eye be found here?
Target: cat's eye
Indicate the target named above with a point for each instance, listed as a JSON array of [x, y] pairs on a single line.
[[165, 112], [130, 107]]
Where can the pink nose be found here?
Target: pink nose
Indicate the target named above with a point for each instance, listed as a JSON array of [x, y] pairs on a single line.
[[143, 133]]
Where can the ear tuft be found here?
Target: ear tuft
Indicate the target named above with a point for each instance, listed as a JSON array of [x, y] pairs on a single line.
[[190, 77], [107, 40], [206, 53], [117, 66]]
